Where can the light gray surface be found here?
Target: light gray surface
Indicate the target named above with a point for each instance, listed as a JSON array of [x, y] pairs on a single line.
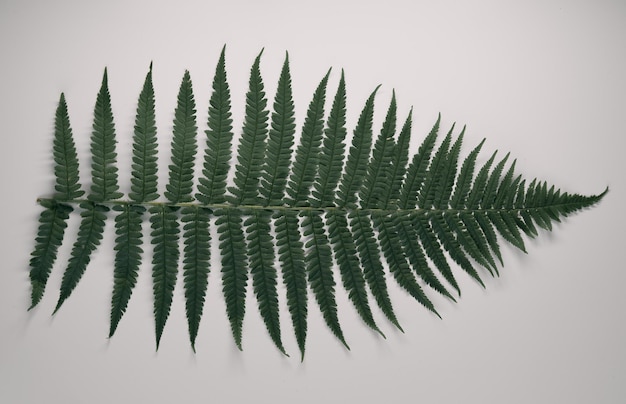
[[543, 80]]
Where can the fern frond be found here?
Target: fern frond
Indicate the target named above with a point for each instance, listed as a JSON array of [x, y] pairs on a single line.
[[127, 259], [251, 150], [219, 137], [368, 212], [165, 230], [89, 236], [196, 257], [52, 224], [144, 167], [291, 255], [306, 160], [184, 145], [279, 142], [103, 169], [234, 268]]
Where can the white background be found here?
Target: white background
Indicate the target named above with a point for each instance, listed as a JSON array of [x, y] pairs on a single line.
[[544, 80]]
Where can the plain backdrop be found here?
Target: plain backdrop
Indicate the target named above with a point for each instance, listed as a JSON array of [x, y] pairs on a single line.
[[544, 80]]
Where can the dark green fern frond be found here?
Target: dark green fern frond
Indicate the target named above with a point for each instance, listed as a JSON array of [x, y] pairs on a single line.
[[89, 237], [365, 215], [196, 257], [251, 151], [219, 137], [306, 160], [279, 142], [52, 224], [127, 259], [165, 230], [291, 255], [103, 169], [184, 145], [234, 268], [144, 167]]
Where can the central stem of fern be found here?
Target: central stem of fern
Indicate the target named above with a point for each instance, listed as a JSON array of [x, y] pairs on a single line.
[[280, 208]]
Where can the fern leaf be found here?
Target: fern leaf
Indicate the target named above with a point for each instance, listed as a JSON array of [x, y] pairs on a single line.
[[280, 142], [127, 259], [184, 145], [291, 256], [196, 257], [52, 224], [306, 160], [103, 170], [144, 167], [251, 150], [52, 221], [360, 207], [65, 157], [143, 189], [212, 183], [164, 235], [89, 236], [261, 261], [234, 268]]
